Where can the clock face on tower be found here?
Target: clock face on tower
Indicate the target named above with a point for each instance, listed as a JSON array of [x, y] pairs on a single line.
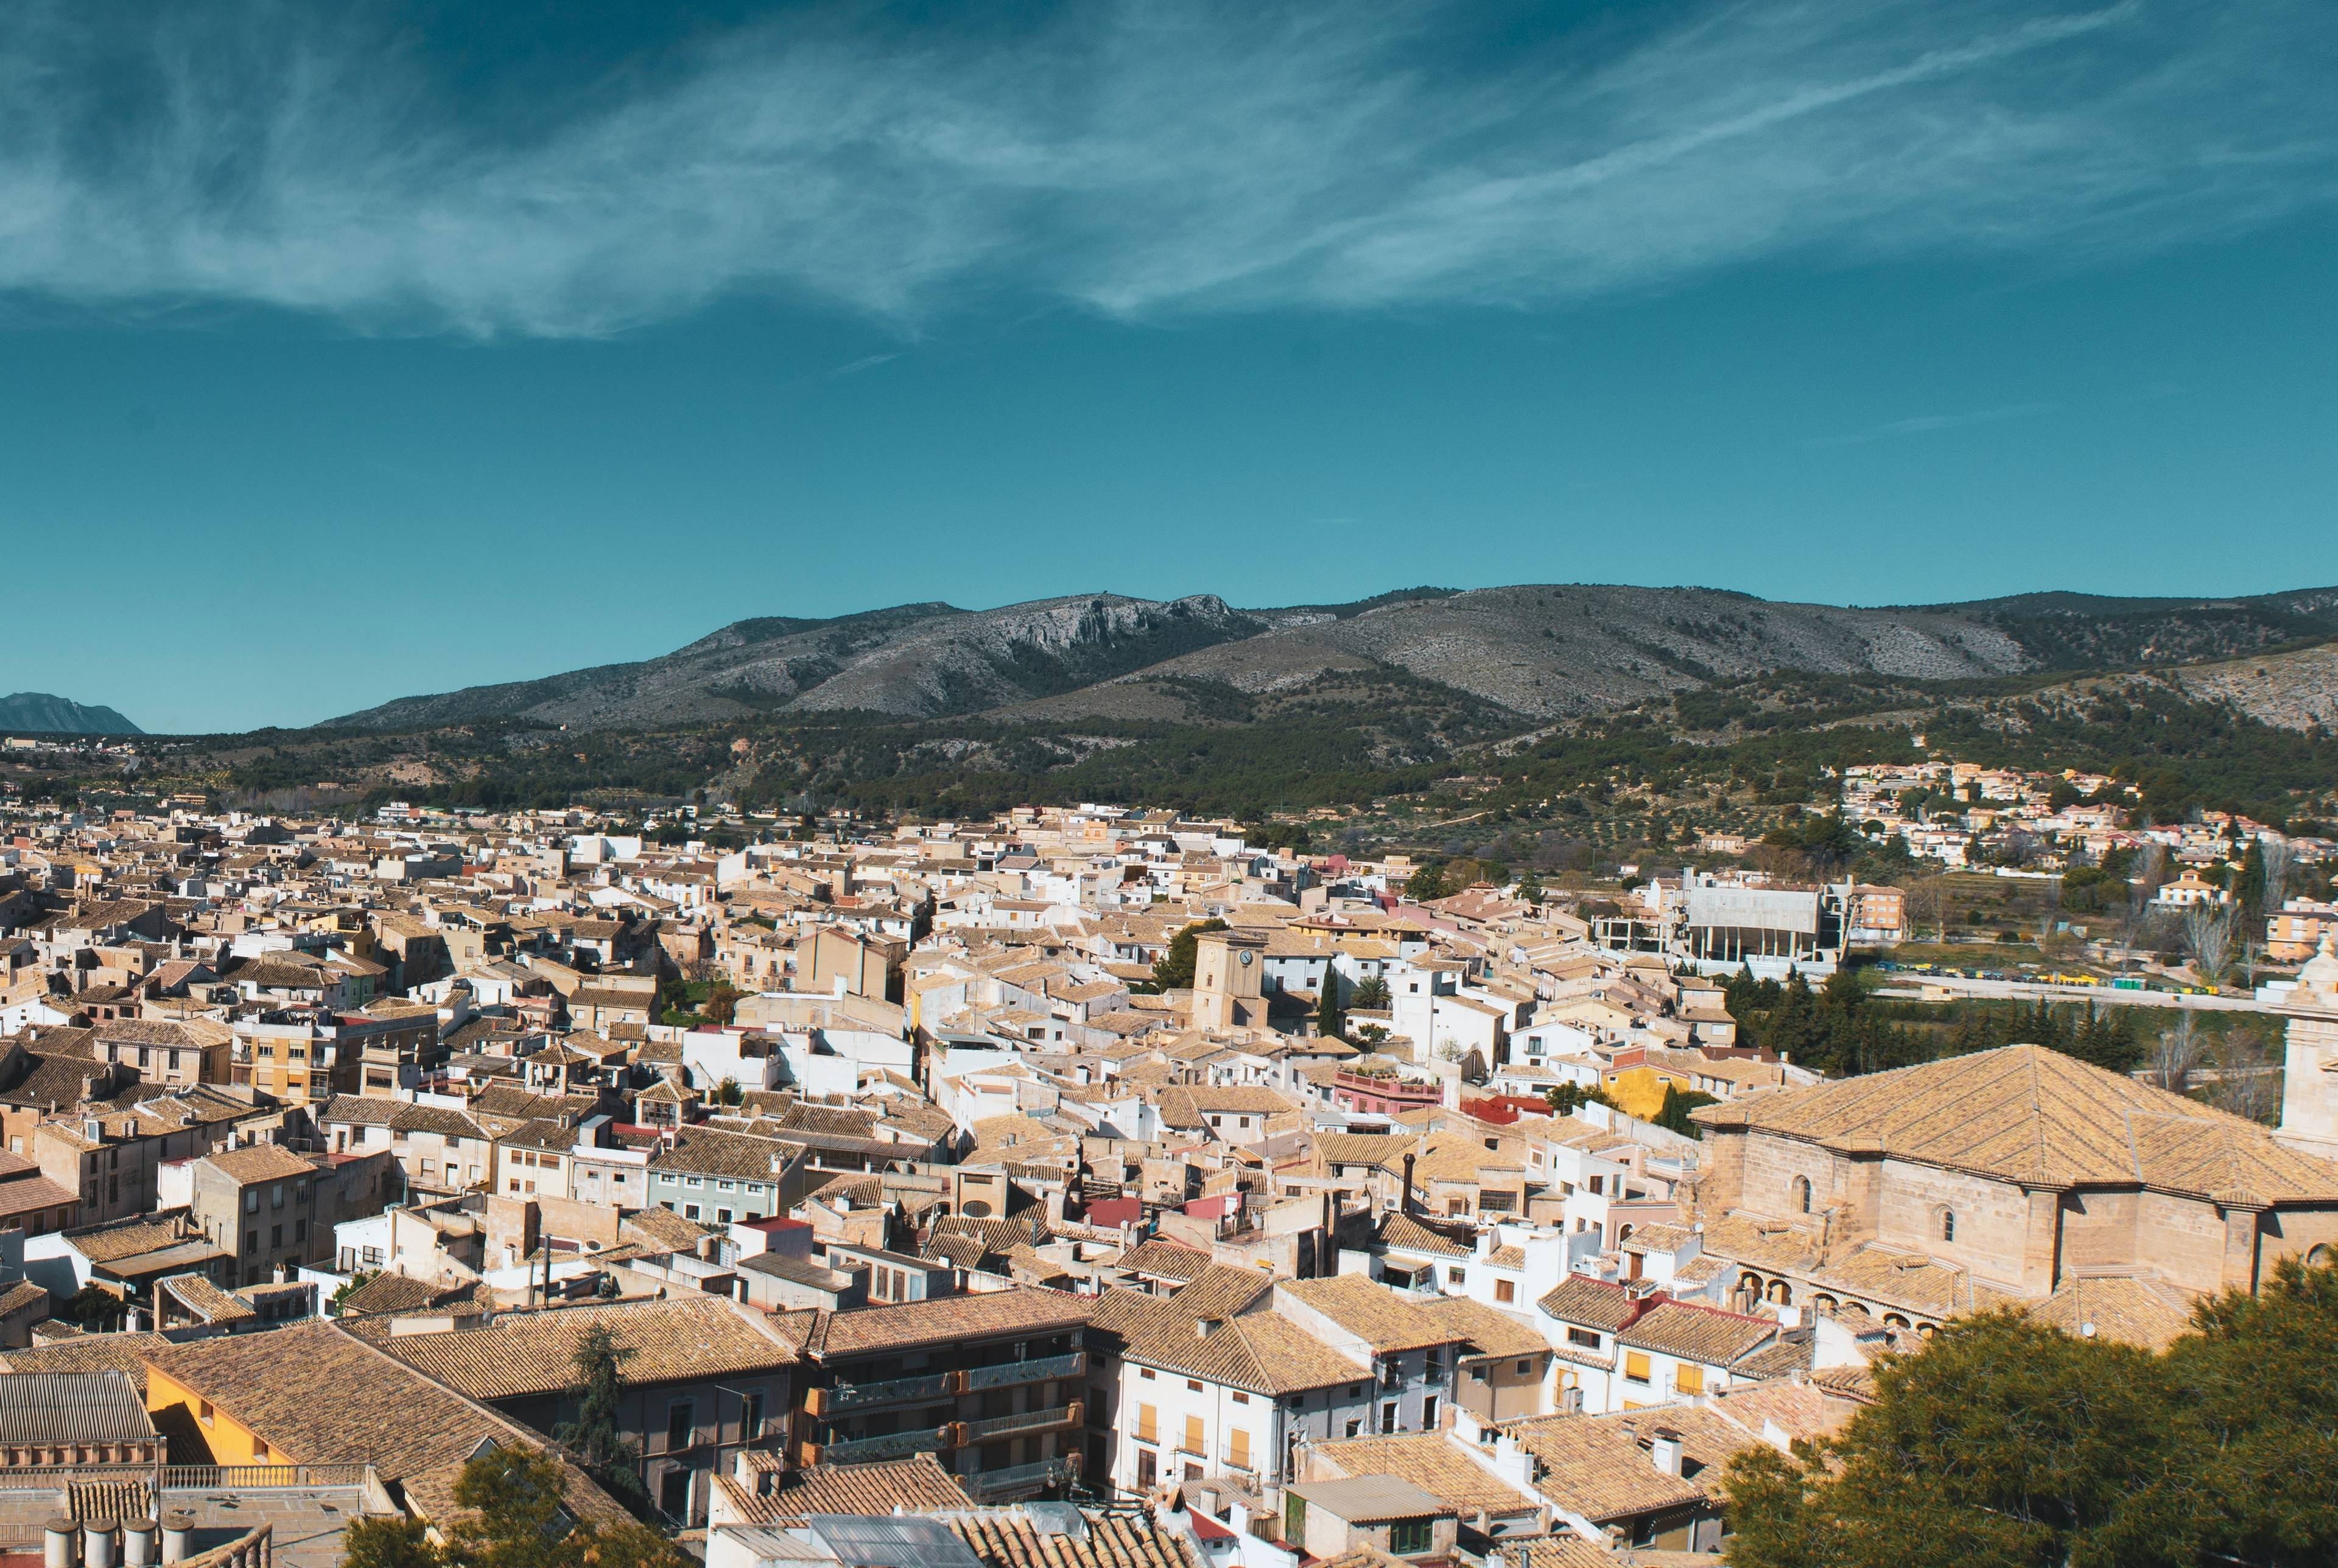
[[1245, 959]]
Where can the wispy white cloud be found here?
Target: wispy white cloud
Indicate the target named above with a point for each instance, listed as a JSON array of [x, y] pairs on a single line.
[[1139, 161], [1924, 423]]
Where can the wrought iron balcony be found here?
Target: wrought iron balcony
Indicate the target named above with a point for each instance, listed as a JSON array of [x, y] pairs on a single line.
[[1026, 1421], [991, 1483], [862, 1395], [896, 1446], [1008, 1374]]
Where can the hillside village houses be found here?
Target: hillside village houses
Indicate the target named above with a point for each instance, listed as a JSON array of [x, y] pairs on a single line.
[[906, 1191]]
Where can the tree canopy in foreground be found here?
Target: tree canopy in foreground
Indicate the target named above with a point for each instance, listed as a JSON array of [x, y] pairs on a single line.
[[2008, 1444]]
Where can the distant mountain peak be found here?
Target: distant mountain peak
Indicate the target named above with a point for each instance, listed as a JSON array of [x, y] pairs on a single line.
[[1539, 651], [39, 713]]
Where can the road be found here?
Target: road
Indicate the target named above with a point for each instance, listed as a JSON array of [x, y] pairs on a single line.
[[1912, 987]]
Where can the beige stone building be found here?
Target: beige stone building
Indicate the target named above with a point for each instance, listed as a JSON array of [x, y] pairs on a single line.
[[2007, 1177], [2309, 1082]]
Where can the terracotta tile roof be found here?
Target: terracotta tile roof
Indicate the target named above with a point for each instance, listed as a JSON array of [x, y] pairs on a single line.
[[1434, 1463], [110, 1500], [1557, 1551], [1373, 1312], [88, 1353], [1259, 1352], [1702, 1334], [319, 1396], [918, 1485], [2141, 1312], [206, 1301], [1164, 1260], [2027, 1113], [1012, 1538], [1592, 1303], [1403, 1232], [1489, 1330], [259, 1162], [1017, 1310], [1219, 1291], [705, 1151], [116, 1242], [684, 1339], [388, 1295], [1384, 1150], [1593, 1466]]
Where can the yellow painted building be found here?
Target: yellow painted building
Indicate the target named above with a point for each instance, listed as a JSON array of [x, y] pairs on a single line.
[[230, 1442], [1640, 1091]]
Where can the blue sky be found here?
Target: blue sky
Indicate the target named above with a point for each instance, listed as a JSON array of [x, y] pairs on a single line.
[[353, 355]]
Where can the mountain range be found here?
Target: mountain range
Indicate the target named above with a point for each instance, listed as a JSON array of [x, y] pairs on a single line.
[[38, 713], [1539, 651]]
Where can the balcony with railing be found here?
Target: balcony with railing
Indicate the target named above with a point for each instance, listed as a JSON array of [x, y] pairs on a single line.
[[1010, 1373], [1020, 1423], [987, 1484], [894, 1391], [895, 1445]]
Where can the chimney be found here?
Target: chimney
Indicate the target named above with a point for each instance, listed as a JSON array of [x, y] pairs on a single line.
[[1404, 1199], [1204, 1327], [1664, 1448]]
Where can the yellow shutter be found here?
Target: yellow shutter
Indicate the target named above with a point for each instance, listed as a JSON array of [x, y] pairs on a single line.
[[1193, 1435], [1636, 1366], [1238, 1448], [1148, 1424], [1688, 1380]]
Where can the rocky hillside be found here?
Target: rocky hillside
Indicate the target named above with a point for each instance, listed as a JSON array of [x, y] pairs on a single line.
[[915, 660], [1537, 652], [38, 713]]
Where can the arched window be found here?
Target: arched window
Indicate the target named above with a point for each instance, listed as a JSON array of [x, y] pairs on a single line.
[[1622, 1235], [1802, 1193], [1948, 1224], [2321, 1256]]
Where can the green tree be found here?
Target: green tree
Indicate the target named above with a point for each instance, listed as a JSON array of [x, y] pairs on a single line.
[[356, 1282], [1327, 1004], [1673, 1115], [1567, 1098], [389, 1541], [513, 1515], [595, 1436], [1175, 969], [1427, 881], [2004, 1442], [1371, 995]]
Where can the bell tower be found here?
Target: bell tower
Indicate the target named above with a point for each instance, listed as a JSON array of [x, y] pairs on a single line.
[[1226, 980]]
